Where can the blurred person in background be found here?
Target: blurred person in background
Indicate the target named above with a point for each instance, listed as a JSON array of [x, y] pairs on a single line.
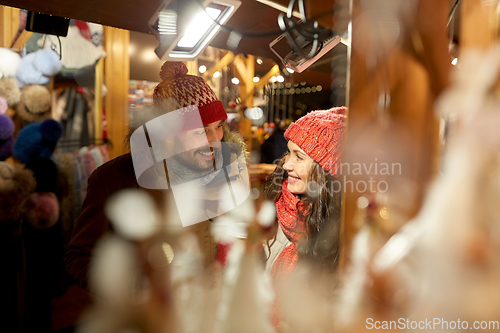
[[275, 146]]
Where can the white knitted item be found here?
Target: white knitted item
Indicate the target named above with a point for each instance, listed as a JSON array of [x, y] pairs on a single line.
[[9, 62], [77, 52]]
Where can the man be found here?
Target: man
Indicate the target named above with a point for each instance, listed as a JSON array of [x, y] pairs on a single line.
[[185, 135]]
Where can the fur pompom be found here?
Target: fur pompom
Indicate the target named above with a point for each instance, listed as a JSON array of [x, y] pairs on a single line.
[[172, 70], [9, 62], [10, 91]]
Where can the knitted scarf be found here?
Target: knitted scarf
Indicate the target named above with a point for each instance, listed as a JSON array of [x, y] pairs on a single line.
[[294, 228]]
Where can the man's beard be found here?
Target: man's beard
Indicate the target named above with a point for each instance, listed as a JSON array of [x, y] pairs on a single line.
[[188, 166]]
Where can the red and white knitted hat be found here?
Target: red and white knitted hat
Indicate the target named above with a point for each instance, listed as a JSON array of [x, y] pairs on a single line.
[[320, 135], [179, 90]]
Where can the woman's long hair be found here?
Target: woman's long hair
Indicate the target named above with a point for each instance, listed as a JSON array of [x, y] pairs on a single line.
[[321, 244]]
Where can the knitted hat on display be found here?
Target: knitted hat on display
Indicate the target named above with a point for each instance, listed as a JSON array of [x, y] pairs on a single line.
[[36, 67], [4, 106], [178, 90], [6, 140], [37, 140], [319, 134], [9, 62], [35, 103], [10, 91]]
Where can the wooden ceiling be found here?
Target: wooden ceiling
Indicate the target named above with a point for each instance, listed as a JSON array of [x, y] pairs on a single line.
[[252, 16]]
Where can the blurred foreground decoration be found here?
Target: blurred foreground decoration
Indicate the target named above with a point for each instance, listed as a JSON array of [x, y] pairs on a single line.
[[150, 277], [399, 64], [444, 263]]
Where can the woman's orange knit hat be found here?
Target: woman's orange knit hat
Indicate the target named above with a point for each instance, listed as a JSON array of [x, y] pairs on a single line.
[[320, 135]]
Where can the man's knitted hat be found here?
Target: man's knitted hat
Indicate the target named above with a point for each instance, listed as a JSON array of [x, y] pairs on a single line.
[[179, 90], [319, 134]]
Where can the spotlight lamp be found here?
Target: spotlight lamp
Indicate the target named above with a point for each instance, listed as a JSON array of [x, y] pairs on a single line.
[[184, 28]]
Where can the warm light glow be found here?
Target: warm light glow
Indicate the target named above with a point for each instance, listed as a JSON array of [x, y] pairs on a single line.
[[273, 79], [454, 62], [202, 69], [235, 80], [289, 70], [259, 61], [198, 27], [254, 113], [148, 55], [131, 49], [280, 78], [256, 79], [216, 74]]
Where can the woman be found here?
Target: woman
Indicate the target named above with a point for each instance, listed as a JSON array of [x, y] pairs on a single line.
[[307, 194]]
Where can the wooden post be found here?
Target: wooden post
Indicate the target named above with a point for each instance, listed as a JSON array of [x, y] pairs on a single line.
[[246, 72], [98, 83], [192, 67], [117, 76], [9, 23]]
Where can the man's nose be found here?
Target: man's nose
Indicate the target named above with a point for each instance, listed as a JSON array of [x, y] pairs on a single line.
[[213, 139]]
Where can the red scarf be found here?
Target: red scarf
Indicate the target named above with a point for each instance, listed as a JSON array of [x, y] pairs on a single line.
[[294, 228]]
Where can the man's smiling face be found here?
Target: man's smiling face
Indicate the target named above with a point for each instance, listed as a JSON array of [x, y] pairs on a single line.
[[199, 146]]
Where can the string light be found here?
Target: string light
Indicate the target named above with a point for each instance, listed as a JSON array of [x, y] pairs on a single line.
[[216, 74], [235, 80], [202, 69]]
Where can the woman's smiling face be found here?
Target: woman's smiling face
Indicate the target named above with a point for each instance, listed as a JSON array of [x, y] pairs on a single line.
[[298, 165]]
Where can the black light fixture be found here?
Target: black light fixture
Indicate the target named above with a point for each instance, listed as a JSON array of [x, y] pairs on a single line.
[[184, 28]]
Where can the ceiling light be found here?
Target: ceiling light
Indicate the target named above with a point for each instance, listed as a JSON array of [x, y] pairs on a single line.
[[289, 70], [216, 74], [235, 80], [198, 26], [280, 78], [256, 79], [184, 29], [273, 79], [202, 69], [454, 62], [260, 61]]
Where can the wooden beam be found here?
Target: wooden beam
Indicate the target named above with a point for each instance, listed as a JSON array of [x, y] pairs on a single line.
[[265, 79], [117, 76], [246, 71], [192, 67], [98, 83], [22, 39], [226, 60]]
